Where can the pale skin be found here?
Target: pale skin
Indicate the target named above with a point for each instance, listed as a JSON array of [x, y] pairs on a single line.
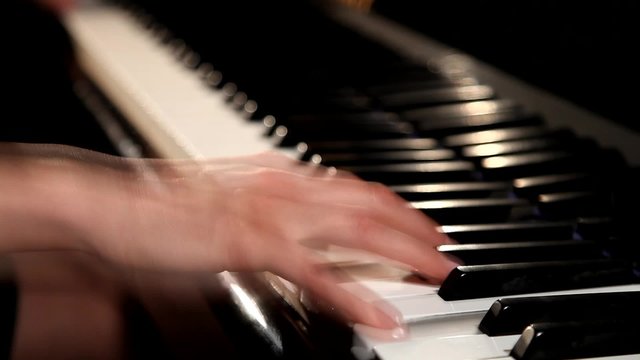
[[263, 212]]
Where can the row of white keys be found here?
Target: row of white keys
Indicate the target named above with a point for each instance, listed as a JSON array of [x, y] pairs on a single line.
[[445, 329], [167, 102]]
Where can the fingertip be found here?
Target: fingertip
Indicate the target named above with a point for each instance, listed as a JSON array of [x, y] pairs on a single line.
[[400, 332]]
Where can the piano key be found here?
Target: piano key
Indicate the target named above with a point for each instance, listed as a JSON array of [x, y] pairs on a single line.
[[477, 281], [427, 307], [531, 187], [306, 149], [361, 118], [451, 190], [379, 158], [409, 85], [593, 228], [436, 96], [513, 231], [452, 347], [441, 127], [528, 145], [506, 134], [567, 205], [460, 347], [293, 134], [470, 109], [606, 161], [511, 316], [578, 339], [393, 174], [322, 104], [469, 211], [154, 104], [512, 252]]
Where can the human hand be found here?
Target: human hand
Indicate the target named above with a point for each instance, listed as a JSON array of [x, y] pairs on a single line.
[[256, 213], [268, 212]]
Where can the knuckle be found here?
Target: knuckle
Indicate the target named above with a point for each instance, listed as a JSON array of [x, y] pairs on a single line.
[[381, 193]]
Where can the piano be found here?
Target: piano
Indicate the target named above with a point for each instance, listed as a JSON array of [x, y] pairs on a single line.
[[535, 189]]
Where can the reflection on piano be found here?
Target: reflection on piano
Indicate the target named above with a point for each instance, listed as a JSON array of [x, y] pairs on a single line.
[[534, 189]]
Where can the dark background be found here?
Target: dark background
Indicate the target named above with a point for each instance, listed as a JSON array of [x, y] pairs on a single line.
[[39, 104], [584, 51]]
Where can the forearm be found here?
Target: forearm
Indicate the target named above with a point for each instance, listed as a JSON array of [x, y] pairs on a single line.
[[47, 201]]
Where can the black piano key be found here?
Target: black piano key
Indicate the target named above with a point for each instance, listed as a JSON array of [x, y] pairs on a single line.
[[409, 85], [452, 190], [499, 253], [527, 145], [379, 158], [397, 74], [509, 232], [605, 162], [510, 316], [435, 171], [362, 118], [469, 211], [464, 110], [529, 164], [594, 228], [578, 339], [434, 96], [567, 205], [478, 281], [531, 187], [307, 149], [441, 127], [332, 120], [505, 134], [292, 135]]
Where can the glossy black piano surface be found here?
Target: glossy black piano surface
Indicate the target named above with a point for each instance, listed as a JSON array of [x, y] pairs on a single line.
[[492, 170]]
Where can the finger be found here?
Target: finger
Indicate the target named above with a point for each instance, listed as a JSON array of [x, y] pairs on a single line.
[[357, 230], [346, 226], [351, 306]]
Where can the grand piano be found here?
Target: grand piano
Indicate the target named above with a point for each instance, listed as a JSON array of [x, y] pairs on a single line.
[[538, 190]]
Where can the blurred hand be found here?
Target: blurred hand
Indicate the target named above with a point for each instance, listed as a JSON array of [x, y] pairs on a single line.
[[255, 213], [268, 212]]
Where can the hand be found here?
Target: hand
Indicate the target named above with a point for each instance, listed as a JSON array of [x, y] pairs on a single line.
[[256, 213], [267, 212]]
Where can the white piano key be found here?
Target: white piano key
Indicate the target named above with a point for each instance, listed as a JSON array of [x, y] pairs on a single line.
[[391, 289], [422, 307], [462, 347]]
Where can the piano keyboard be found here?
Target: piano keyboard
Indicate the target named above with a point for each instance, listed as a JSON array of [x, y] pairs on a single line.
[[528, 200]]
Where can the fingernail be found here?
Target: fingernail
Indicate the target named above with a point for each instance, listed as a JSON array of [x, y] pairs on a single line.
[[395, 334], [399, 333]]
